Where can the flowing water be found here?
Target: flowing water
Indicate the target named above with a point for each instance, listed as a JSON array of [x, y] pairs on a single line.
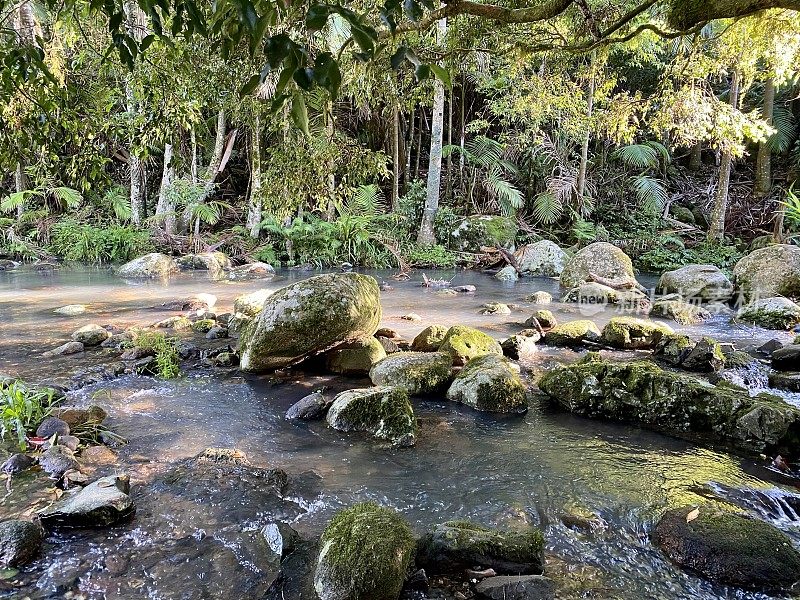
[[187, 543]]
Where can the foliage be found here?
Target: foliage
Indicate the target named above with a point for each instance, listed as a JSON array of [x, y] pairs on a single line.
[[435, 257], [22, 409], [97, 244], [164, 349], [671, 254]]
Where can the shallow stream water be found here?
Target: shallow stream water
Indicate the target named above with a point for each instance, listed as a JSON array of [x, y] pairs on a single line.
[[466, 465]]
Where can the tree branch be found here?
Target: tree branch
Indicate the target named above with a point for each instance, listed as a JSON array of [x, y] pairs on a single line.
[[685, 14]]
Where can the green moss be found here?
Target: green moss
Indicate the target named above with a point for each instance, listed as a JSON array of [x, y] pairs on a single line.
[[770, 319], [682, 214], [546, 318], [630, 333], [465, 343], [366, 553], [738, 360], [417, 372], [384, 411], [356, 358], [572, 333], [490, 383], [203, 325], [429, 339], [680, 311]]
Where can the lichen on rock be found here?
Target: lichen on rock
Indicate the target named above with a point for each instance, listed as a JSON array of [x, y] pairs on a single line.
[[385, 412], [465, 343], [417, 372], [490, 383]]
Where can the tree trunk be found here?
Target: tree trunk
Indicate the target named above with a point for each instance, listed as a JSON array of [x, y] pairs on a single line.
[[396, 168], [410, 149], [213, 169], [716, 229], [763, 183], [449, 169], [696, 157], [581, 183], [166, 207], [25, 25], [419, 141], [254, 207], [426, 235], [20, 185], [136, 27]]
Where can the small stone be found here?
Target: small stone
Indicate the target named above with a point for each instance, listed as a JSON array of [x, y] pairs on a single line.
[[71, 310], [51, 426], [411, 317], [137, 353], [309, 408], [16, 463], [389, 345], [518, 345], [281, 538], [540, 298], [65, 350], [465, 289], [217, 333], [20, 542], [495, 308], [57, 460], [225, 359], [387, 332], [100, 504], [769, 347], [91, 335]]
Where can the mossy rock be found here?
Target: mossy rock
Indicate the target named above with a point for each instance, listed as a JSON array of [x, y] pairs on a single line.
[[540, 297], [216, 263], [705, 357], [310, 317], [786, 358], [149, 266], [682, 214], [465, 343], [630, 333], [545, 318], [683, 313], [573, 333], [429, 339], [519, 345], [355, 358], [771, 313], [701, 282], [490, 383], [251, 304], [417, 372], [91, 335], [729, 548], [592, 293], [600, 258], [458, 545], [385, 412], [203, 325], [485, 230], [365, 553], [640, 392], [789, 382], [20, 542], [768, 272], [541, 259], [673, 348]]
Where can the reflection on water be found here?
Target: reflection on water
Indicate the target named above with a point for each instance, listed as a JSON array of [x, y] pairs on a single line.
[[465, 465]]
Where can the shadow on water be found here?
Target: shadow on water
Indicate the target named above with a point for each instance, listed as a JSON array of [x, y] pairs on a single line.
[[194, 535]]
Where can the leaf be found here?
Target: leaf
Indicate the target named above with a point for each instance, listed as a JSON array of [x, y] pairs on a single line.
[[638, 156], [442, 75], [317, 16], [692, 515], [399, 57], [422, 72], [300, 113]]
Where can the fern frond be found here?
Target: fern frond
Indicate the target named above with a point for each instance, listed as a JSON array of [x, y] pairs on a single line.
[[547, 208], [637, 156], [650, 192]]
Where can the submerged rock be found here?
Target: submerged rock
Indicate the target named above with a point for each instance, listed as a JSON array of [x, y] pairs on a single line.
[[508, 273], [601, 259], [641, 392], [385, 412], [91, 335], [573, 333], [429, 339], [309, 408], [768, 272], [149, 266], [522, 587], [71, 310], [355, 358], [282, 539], [102, 503], [771, 313], [490, 383], [630, 333], [729, 548], [703, 282], [465, 343], [310, 317], [679, 311], [592, 293], [540, 298], [20, 542], [57, 460], [216, 263], [417, 372], [458, 545], [65, 350], [365, 553], [541, 259], [495, 308], [257, 270]]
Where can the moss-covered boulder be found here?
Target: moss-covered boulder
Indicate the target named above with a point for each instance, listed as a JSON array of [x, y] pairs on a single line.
[[203, 325], [355, 358], [91, 335], [674, 348], [252, 303], [485, 230], [542, 259], [641, 392], [573, 333], [701, 282], [768, 272], [592, 293], [216, 263], [682, 214], [770, 313], [520, 345], [310, 317], [385, 412], [248, 272], [680, 311], [365, 553], [429, 339], [149, 266], [490, 383], [729, 548], [600, 258], [540, 297], [458, 545], [789, 382], [543, 318], [705, 357], [465, 343], [630, 333], [417, 372]]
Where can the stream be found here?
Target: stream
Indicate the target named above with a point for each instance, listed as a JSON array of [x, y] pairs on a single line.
[[466, 465]]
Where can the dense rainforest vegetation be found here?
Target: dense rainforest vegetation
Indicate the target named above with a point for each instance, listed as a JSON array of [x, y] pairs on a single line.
[[301, 133]]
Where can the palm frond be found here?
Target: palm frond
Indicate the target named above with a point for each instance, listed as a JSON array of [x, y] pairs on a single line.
[[650, 192], [547, 208], [14, 200], [67, 196], [661, 149], [508, 196], [785, 126], [637, 156]]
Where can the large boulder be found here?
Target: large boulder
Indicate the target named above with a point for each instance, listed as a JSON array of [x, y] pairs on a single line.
[[429, 339], [385, 412], [102, 503], [787, 358], [601, 259], [572, 333], [257, 270], [216, 263], [508, 273], [768, 272], [680, 311], [464, 343], [458, 545], [640, 392], [770, 313], [355, 358], [20, 542], [365, 553], [310, 317], [630, 333], [729, 548], [417, 372], [490, 383], [485, 230], [542, 259], [149, 266], [702, 282]]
